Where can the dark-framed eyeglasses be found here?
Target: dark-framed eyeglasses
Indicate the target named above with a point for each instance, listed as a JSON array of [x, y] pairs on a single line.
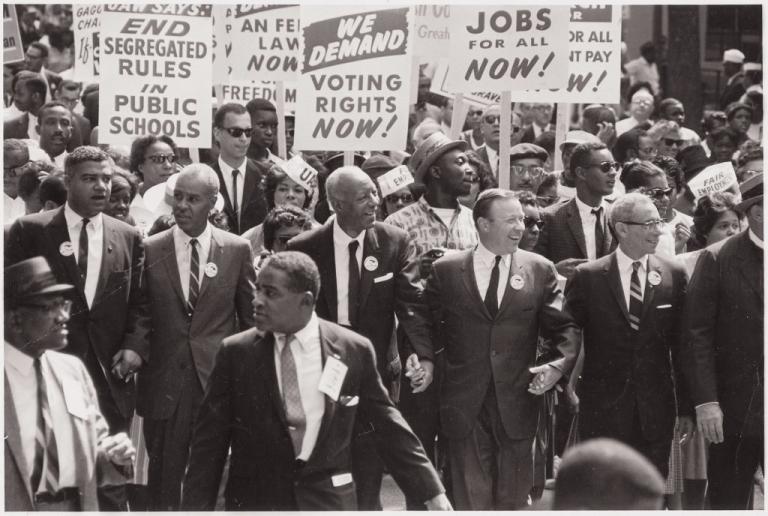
[[532, 170], [56, 305], [159, 159], [475, 112], [532, 221], [606, 166], [669, 142], [496, 119], [237, 132], [648, 225], [658, 193], [405, 198]]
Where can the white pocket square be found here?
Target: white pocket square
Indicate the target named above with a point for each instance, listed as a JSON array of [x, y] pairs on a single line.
[[349, 401], [383, 278], [662, 307]]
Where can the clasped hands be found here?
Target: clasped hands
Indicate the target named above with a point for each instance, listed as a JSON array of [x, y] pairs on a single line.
[[421, 373]]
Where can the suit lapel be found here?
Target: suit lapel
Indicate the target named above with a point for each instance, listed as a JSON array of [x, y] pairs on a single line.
[[574, 223], [271, 378], [108, 246], [58, 233], [370, 249], [13, 440], [748, 254], [613, 279], [228, 209], [650, 290], [327, 267], [169, 259], [470, 283], [509, 292], [250, 182], [214, 256], [327, 348]]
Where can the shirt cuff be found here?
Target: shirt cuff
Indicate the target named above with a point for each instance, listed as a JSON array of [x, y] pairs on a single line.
[[708, 403]]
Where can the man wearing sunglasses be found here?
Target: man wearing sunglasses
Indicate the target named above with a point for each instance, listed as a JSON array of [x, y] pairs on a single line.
[[629, 306], [491, 130], [240, 177]]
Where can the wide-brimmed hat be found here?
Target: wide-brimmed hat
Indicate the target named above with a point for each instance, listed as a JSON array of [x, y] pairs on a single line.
[[751, 192], [693, 159], [31, 279], [430, 150]]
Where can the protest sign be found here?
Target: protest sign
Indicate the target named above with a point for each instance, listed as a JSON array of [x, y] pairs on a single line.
[[301, 173], [221, 43], [156, 73], [86, 23], [503, 47], [431, 32], [355, 78], [267, 42], [394, 180], [439, 85], [12, 48], [714, 178], [244, 91]]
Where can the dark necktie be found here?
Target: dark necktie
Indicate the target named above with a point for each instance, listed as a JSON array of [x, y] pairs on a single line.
[[194, 271], [82, 252], [599, 233], [294, 410], [235, 207], [635, 298], [491, 295], [45, 475], [354, 284]]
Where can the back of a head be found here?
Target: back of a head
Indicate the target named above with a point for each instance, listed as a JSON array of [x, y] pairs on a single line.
[[604, 474]]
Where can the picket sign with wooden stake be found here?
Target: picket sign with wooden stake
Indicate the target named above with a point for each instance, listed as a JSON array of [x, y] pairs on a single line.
[[282, 144], [506, 130]]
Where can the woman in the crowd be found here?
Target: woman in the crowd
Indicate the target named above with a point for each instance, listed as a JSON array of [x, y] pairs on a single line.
[[153, 160], [533, 222], [750, 161], [723, 142], [679, 221], [398, 200], [280, 225], [634, 144], [711, 122], [482, 179], [739, 119], [547, 193], [125, 186]]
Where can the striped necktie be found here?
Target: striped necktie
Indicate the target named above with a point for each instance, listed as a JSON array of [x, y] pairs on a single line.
[[194, 271], [45, 475], [635, 298], [294, 410]]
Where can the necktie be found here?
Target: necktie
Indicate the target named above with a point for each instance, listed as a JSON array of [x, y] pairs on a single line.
[[82, 252], [45, 475], [599, 233], [491, 296], [294, 410], [235, 207], [635, 298], [354, 284], [194, 271]]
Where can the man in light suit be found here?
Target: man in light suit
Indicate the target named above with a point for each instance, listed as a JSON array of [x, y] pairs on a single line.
[[103, 258], [628, 305], [49, 395], [240, 178], [285, 402], [489, 305], [385, 284], [196, 298]]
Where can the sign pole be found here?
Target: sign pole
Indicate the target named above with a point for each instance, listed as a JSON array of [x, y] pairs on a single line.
[[505, 129], [562, 123], [280, 101], [460, 109]]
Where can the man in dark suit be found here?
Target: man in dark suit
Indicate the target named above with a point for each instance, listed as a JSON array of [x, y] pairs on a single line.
[[265, 125], [733, 61], [103, 257], [489, 305], [542, 122], [286, 403], [199, 281], [723, 327], [240, 178], [577, 230], [491, 129], [384, 284], [68, 93], [628, 305]]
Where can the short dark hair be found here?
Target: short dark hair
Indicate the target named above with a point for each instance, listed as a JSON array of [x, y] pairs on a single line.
[[637, 172], [133, 182], [52, 188], [68, 84], [707, 212], [625, 142], [672, 168], [527, 198], [34, 82], [666, 103], [14, 145], [484, 174], [715, 117], [546, 141], [581, 154], [43, 48], [486, 199], [300, 270], [30, 179], [274, 177], [81, 155], [718, 133], [229, 107], [50, 105], [550, 180], [139, 148], [259, 105], [161, 223], [284, 217]]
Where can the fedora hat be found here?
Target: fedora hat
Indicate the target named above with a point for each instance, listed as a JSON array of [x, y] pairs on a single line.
[[751, 192], [30, 279], [430, 150]]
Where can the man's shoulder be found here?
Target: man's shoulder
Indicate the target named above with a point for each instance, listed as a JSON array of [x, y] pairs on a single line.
[[524, 257], [728, 248], [121, 227], [403, 217], [389, 231], [244, 338], [227, 239], [453, 260], [670, 263], [341, 335], [21, 120], [64, 363], [309, 240], [599, 265], [559, 209]]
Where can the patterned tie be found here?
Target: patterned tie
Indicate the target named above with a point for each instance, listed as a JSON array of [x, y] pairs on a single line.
[[194, 271], [354, 284], [294, 410], [635, 298], [491, 295], [82, 253], [45, 476], [599, 233], [235, 207]]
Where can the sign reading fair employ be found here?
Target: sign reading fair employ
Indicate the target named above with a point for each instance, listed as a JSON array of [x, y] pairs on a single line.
[[156, 73], [714, 178]]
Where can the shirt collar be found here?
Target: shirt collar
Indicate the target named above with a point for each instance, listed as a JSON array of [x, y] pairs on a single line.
[[625, 262], [586, 209], [756, 239], [204, 238], [429, 208], [341, 238], [73, 219], [308, 336], [226, 170], [488, 258], [491, 153], [20, 361]]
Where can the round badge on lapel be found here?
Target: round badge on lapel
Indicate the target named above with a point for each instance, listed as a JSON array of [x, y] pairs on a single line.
[[66, 249], [654, 278], [516, 282], [371, 264], [211, 270]]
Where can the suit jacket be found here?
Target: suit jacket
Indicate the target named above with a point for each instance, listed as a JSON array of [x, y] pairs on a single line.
[[483, 153], [562, 235], [112, 323], [724, 333], [243, 410], [732, 91], [391, 289], [19, 128], [482, 351], [178, 341], [254, 205], [626, 371], [89, 430]]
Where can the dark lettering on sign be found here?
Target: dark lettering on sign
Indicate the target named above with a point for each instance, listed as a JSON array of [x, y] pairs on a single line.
[[501, 21], [591, 13], [6, 12], [243, 10], [196, 11]]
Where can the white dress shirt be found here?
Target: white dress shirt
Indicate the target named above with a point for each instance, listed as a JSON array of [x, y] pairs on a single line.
[[32, 128], [625, 272], [755, 239], [537, 129], [341, 260], [308, 358], [482, 263], [20, 373], [95, 232], [59, 160], [12, 208], [184, 254], [493, 160], [588, 220], [226, 173]]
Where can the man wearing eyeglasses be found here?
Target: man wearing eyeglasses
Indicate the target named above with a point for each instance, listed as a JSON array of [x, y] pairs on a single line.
[[15, 156], [526, 167], [239, 176], [474, 135], [629, 305], [491, 130]]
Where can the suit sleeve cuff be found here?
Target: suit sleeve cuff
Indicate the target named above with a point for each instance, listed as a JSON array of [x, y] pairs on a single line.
[[707, 403]]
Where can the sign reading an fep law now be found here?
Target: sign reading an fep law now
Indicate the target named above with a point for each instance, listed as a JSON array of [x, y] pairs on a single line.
[[501, 47], [12, 48], [86, 24], [355, 80], [267, 42], [156, 73]]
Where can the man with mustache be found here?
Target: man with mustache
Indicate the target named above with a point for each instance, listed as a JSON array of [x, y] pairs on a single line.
[[54, 125]]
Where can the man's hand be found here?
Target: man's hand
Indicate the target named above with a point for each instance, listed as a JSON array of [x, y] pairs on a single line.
[[606, 132], [426, 261], [119, 449], [545, 378], [685, 427], [709, 419], [568, 266], [439, 503], [125, 363], [421, 373], [682, 235]]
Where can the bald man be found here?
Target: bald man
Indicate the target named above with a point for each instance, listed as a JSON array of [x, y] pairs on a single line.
[[199, 282], [369, 274]]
